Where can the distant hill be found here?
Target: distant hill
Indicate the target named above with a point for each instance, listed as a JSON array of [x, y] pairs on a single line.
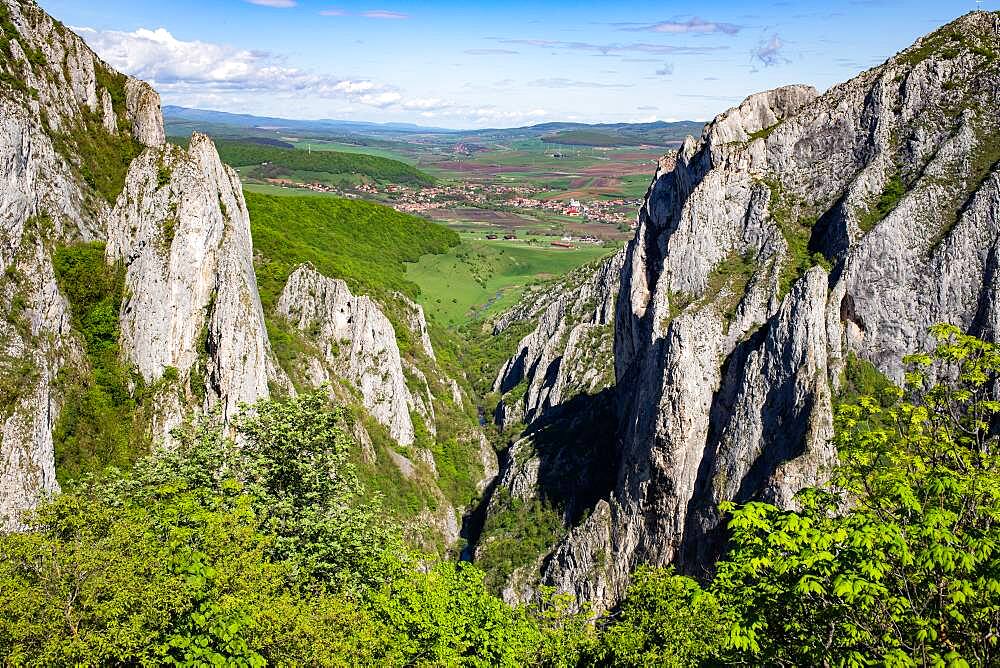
[[659, 133], [177, 117], [285, 161], [182, 121], [267, 141]]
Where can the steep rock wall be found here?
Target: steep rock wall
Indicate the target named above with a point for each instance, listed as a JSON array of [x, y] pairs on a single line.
[[772, 249], [358, 344], [83, 158]]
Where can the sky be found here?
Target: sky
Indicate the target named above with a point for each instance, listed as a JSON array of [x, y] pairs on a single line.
[[474, 64]]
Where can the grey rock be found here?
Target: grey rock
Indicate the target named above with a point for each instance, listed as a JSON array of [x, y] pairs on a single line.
[[358, 343], [201, 280], [724, 379]]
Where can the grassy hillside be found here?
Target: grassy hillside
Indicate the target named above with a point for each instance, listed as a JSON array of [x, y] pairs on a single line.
[[363, 243], [291, 162], [479, 278], [240, 154]]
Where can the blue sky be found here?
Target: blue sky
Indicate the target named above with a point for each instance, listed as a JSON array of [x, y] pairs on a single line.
[[493, 64]]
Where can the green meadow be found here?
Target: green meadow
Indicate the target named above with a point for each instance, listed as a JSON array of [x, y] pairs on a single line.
[[478, 278]]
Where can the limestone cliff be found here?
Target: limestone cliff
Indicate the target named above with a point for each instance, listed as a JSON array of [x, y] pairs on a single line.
[[358, 344], [182, 230], [351, 344], [797, 230], [556, 410], [568, 352], [83, 158]]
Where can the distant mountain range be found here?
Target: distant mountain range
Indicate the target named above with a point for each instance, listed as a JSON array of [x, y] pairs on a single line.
[[175, 114], [183, 120]]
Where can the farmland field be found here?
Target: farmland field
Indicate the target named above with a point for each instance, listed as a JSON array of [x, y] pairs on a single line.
[[511, 198], [479, 278]]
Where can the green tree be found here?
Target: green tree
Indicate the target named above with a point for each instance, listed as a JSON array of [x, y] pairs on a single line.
[[257, 550], [665, 620], [896, 561], [295, 461]]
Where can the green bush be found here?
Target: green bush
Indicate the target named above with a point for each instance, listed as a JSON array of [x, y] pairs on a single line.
[[894, 563], [665, 620]]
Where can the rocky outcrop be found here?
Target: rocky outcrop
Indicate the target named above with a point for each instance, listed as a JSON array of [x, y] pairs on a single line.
[[175, 218], [181, 228], [568, 353], [556, 406], [142, 108], [350, 343], [357, 341], [798, 229]]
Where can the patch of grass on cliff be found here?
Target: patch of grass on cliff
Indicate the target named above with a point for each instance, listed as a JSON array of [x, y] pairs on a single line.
[[948, 43], [886, 202], [732, 273], [763, 133], [985, 159], [403, 498], [19, 372], [99, 423], [98, 157], [860, 378], [796, 222], [455, 450], [486, 352]]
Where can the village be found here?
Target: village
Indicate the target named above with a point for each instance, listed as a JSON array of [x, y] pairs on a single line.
[[617, 212]]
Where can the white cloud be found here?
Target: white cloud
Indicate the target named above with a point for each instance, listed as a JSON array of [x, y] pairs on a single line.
[[617, 48], [769, 53], [560, 82], [426, 104], [384, 14], [282, 4], [193, 67], [693, 25], [380, 100], [355, 86]]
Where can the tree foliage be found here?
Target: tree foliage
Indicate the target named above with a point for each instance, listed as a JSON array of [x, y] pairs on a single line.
[[377, 168], [213, 553], [666, 620]]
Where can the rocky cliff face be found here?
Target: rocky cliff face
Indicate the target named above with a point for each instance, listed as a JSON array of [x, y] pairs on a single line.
[[181, 228], [83, 158], [358, 344], [350, 344], [556, 409], [570, 349], [799, 230]]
